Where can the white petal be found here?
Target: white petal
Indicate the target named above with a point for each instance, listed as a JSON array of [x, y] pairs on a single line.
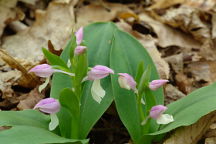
[[43, 86], [123, 83], [54, 122], [97, 91], [142, 101], [68, 63], [165, 119]]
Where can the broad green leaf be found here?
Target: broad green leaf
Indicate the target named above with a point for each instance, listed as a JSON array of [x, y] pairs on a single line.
[[70, 101], [53, 59], [139, 72], [33, 135], [65, 118], [191, 108], [25, 117], [98, 39], [126, 54]]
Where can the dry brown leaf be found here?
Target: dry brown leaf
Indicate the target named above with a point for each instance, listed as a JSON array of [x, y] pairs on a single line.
[[205, 5], [176, 62], [98, 12], [161, 4], [172, 94], [150, 44], [205, 71], [55, 24], [192, 134], [7, 80], [202, 4], [213, 26], [26, 79], [7, 12], [29, 100], [168, 36], [184, 83], [211, 140], [189, 20]]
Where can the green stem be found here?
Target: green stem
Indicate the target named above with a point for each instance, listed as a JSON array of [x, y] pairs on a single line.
[[139, 104]]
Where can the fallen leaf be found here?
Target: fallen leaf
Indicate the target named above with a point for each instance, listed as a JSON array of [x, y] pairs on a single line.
[[168, 36], [54, 24], [26, 79], [100, 11], [193, 133], [176, 62], [203, 71], [7, 12], [211, 140], [172, 94], [161, 4], [29, 100], [184, 83]]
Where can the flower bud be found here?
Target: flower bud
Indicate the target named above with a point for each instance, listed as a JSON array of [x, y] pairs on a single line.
[[79, 50], [99, 72], [155, 84], [79, 36], [157, 111], [48, 105], [43, 70], [126, 81]]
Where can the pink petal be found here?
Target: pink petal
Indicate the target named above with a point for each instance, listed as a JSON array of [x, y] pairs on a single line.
[[99, 72], [155, 84], [129, 79], [48, 105], [79, 50], [157, 110], [79, 36], [43, 70]]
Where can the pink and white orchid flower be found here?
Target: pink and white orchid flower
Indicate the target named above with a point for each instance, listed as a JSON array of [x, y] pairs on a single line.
[[127, 81], [96, 74], [50, 106], [156, 113]]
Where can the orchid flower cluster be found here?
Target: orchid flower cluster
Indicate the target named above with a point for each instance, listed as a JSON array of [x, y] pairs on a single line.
[[95, 74]]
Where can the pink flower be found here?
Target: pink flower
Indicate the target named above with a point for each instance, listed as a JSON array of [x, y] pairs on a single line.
[[80, 50], [156, 113], [99, 72], [157, 110], [126, 81], [79, 36], [155, 84], [48, 105], [43, 70]]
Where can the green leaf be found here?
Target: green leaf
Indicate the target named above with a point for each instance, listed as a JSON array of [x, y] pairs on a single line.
[[126, 54], [98, 39], [33, 135], [139, 72], [70, 101], [54, 59], [191, 108], [25, 117]]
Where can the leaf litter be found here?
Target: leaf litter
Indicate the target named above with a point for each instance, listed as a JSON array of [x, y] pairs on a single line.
[[180, 35]]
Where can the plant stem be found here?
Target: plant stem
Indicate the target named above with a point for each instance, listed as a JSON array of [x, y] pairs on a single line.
[[139, 104]]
